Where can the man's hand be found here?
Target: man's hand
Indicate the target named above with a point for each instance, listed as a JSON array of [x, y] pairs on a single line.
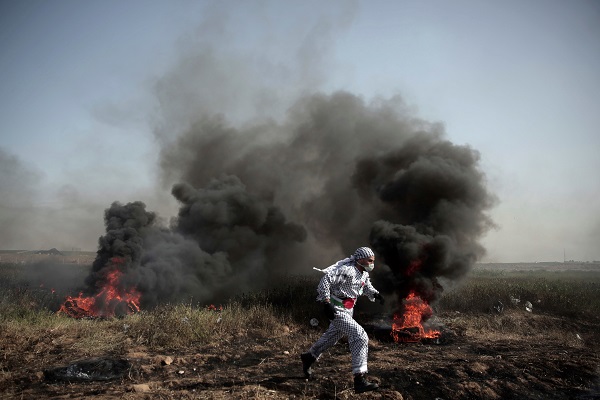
[[379, 297], [329, 310]]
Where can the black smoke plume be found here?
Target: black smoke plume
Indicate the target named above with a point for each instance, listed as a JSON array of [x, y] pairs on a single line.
[[432, 203], [264, 201]]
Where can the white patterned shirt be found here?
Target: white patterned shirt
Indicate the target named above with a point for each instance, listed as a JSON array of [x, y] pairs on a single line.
[[345, 281]]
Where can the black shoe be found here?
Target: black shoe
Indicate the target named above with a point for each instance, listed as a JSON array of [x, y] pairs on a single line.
[[361, 384], [307, 360]]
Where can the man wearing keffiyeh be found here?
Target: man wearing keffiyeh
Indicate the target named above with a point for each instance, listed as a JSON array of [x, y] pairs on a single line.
[[340, 287]]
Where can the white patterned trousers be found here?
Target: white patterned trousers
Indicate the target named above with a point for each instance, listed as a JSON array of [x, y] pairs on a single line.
[[344, 325]]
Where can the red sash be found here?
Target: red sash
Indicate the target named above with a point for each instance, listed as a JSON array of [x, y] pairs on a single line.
[[349, 303]]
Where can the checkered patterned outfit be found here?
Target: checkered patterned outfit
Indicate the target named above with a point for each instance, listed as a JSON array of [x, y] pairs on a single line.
[[345, 280]]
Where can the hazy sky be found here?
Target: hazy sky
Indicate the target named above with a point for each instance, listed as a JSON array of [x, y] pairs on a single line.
[[90, 90]]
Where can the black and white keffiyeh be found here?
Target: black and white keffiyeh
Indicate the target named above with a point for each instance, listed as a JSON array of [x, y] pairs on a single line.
[[363, 252]]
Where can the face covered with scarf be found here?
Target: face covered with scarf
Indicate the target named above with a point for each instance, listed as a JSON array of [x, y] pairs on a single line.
[[365, 258]]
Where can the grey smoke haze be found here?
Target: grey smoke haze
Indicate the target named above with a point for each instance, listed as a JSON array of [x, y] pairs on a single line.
[[18, 185], [163, 66], [270, 199], [34, 215]]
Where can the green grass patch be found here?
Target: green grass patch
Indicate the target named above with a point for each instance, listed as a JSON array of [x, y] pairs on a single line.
[[568, 293]]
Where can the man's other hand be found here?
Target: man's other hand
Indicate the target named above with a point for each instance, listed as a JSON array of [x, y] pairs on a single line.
[[379, 297]]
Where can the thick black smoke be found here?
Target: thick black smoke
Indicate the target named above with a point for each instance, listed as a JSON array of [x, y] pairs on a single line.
[[264, 201], [224, 240], [432, 203], [126, 227]]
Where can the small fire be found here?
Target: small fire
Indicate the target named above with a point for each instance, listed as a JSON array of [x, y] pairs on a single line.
[[408, 325], [110, 300]]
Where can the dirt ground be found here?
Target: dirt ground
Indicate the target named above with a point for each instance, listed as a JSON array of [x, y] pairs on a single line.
[[465, 365]]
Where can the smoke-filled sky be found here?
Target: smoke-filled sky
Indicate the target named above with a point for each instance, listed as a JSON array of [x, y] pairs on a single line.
[[104, 101]]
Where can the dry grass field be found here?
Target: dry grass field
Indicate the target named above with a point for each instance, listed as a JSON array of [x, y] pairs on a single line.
[[250, 348]]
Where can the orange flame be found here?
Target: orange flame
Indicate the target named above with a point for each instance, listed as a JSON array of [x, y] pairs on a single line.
[[109, 301], [408, 326]]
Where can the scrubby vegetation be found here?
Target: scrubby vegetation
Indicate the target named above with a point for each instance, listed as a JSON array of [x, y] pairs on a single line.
[[558, 293], [26, 310], [252, 328]]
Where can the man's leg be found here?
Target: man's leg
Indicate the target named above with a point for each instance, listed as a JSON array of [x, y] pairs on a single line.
[[327, 340], [358, 341]]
